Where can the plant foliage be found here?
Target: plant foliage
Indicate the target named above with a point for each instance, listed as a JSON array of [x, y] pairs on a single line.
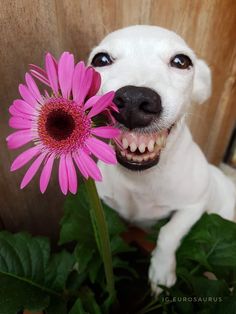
[[73, 281], [31, 278]]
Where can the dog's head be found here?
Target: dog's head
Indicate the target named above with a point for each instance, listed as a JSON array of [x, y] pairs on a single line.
[[156, 76]]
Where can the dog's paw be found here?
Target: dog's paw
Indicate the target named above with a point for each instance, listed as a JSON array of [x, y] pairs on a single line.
[[161, 272]]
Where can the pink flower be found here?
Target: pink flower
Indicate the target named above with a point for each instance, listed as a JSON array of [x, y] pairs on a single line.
[[60, 123]]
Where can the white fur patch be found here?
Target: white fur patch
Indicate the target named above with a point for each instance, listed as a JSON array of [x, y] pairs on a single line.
[[201, 82]]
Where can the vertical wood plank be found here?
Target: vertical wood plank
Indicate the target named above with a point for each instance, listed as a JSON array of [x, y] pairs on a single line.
[[28, 30]]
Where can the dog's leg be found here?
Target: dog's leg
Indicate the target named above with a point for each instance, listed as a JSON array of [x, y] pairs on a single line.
[[163, 261]]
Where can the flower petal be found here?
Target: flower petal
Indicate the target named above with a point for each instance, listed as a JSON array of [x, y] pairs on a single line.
[[51, 72], [65, 73], [32, 170], [110, 117], [39, 73], [33, 88], [46, 173], [106, 131], [114, 107], [80, 165], [20, 123], [19, 138], [84, 86], [101, 150], [72, 177], [91, 101], [24, 107], [27, 96], [91, 167], [63, 177], [78, 77], [24, 157], [101, 104], [15, 112], [95, 84]]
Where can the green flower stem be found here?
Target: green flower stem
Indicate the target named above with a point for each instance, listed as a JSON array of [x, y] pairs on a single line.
[[102, 233]]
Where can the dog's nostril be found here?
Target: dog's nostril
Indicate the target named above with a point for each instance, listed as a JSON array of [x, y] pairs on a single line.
[[119, 101], [149, 107], [144, 106]]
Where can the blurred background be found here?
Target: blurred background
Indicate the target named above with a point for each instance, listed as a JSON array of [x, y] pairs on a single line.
[[29, 28]]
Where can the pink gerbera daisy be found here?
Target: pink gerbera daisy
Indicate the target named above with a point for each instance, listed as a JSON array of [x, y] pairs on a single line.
[[60, 123]]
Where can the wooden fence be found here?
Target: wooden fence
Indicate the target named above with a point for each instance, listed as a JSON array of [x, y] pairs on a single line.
[[28, 28]]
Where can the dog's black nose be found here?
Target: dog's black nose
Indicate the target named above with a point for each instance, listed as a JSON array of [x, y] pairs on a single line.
[[138, 106]]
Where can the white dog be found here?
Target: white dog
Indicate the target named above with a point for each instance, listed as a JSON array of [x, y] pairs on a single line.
[[161, 170]]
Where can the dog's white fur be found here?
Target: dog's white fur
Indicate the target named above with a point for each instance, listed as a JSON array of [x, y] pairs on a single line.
[[182, 182]]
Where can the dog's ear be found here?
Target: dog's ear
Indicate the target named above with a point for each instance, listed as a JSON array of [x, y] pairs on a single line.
[[201, 82]]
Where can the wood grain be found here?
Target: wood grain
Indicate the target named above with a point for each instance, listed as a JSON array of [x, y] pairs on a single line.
[[28, 29], [31, 27]]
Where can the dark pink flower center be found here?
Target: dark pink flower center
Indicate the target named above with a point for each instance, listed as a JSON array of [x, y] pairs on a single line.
[[59, 124], [62, 125]]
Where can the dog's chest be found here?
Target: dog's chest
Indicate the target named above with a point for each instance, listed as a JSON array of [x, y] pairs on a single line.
[[137, 207], [136, 201]]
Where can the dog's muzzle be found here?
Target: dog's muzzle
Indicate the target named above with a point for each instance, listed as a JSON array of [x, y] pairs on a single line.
[[138, 108]]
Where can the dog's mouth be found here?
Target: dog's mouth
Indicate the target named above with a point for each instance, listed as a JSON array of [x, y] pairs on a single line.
[[139, 151]]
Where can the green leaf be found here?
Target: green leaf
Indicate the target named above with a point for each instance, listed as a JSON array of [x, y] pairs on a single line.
[[57, 306], [78, 224], [78, 308], [75, 281], [29, 279], [123, 264], [94, 267], [16, 295], [119, 246], [115, 224], [209, 288], [58, 270], [22, 256], [89, 302], [83, 255], [210, 243], [228, 305]]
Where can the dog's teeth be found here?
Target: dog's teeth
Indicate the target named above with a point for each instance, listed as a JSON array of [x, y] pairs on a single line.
[[129, 157], [159, 141], [122, 153], [133, 147], [142, 148], [145, 158], [125, 143], [151, 146], [163, 141], [152, 155], [139, 159]]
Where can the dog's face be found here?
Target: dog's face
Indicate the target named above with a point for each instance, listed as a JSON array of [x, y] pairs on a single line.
[[155, 76]]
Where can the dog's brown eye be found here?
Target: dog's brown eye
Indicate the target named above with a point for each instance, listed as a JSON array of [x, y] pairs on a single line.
[[181, 62], [101, 59]]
